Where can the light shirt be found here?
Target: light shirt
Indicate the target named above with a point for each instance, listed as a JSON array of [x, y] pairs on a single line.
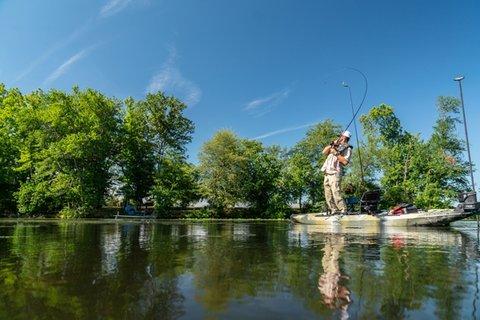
[[332, 165]]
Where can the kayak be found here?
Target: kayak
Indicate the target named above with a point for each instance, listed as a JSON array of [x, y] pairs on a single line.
[[437, 217]]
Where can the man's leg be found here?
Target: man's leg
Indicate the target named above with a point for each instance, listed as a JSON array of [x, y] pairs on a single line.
[[328, 193], [335, 185]]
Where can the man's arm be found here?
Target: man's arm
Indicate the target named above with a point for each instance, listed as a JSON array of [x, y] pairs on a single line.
[[342, 159], [346, 158], [327, 149]]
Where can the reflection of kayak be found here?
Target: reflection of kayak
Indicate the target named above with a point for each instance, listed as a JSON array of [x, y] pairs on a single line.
[[421, 218], [396, 236]]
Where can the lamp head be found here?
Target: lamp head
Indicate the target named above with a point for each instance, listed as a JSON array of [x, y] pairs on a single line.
[[344, 84], [459, 78]]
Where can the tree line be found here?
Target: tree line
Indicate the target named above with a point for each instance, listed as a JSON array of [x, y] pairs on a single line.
[[71, 153]]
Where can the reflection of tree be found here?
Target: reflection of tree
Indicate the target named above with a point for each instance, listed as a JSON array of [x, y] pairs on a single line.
[[58, 270], [79, 270], [231, 266], [334, 294], [407, 277]]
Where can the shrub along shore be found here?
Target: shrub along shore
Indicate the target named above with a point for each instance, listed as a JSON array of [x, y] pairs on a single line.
[[72, 154]]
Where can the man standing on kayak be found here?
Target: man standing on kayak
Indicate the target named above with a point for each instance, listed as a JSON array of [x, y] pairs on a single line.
[[339, 152]]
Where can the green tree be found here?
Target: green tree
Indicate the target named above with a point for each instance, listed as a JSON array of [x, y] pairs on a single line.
[[136, 156], [303, 166], [262, 184], [221, 166], [426, 173], [68, 143], [235, 170], [447, 176], [176, 185], [11, 101], [154, 128]]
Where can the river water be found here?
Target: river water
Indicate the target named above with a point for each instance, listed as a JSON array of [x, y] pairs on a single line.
[[235, 270]]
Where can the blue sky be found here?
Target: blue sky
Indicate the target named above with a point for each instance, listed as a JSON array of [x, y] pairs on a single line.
[[265, 69]]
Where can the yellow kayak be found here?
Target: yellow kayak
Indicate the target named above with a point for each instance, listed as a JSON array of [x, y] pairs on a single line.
[[437, 217]]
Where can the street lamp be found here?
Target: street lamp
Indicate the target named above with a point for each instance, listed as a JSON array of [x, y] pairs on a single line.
[[345, 85], [459, 80]]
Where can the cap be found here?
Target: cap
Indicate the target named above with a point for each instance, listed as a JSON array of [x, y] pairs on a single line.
[[346, 134]]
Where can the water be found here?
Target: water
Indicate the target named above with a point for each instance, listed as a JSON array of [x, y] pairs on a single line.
[[227, 270]]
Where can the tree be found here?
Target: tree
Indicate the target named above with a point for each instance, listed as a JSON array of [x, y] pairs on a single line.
[[261, 180], [11, 101], [303, 166], [449, 170], [176, 185], [153, 129], [137, 159], [426, 173], [221, 169], [235, 170], [68, 143]]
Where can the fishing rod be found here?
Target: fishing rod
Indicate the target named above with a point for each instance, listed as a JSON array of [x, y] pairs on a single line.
[[354, 116], [363, 98], [355, 111]]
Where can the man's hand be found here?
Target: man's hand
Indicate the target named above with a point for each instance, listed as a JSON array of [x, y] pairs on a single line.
[[342, 159], [328, 149]]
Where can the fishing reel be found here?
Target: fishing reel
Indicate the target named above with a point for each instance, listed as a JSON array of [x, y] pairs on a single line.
[[338, 147]]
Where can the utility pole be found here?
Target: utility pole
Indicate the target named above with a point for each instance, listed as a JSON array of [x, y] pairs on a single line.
[[459, 80]]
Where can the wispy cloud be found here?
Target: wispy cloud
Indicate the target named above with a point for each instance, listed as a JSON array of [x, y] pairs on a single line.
[[113, 7], [109, 9], [66, 65], [54, 48], [263, 105], [284, 130], [171, 80]]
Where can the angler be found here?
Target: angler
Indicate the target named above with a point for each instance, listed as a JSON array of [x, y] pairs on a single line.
[[339, 153]]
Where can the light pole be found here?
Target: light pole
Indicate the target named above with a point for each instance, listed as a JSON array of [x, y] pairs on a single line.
[[345, 85], [459, 80]]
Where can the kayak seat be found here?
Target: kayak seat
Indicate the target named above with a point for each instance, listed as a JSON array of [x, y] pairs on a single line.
[[369, 201]]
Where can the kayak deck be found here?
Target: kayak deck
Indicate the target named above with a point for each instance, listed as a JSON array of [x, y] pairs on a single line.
[[421, 218]]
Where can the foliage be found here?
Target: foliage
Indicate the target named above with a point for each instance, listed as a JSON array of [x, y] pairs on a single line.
[[426, 173], [67, 153], [302, 173], [67, 145], [10, 102], [239, 171], [221, 165], [176, 185], [261, 187], [154, 128]]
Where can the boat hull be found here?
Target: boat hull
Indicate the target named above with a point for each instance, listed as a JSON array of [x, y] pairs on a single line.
[[422, 218]]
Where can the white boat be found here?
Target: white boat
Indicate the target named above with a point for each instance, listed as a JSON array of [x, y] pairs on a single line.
[[437, 217]]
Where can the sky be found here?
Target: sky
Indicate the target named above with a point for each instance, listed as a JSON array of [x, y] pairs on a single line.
[[266, 69]]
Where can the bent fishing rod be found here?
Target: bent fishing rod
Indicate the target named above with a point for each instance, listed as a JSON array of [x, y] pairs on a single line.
[[356, 111], [354, 115], [363, 98]]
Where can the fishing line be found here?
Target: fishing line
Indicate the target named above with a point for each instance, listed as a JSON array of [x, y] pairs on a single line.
[[363, 98], [331, 74]]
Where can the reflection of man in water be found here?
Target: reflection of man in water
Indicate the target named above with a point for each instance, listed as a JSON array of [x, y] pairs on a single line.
[[335, 296]]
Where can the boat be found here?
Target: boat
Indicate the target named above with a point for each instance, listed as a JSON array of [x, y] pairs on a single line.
[[130, 212], [439, 217], [369, 214]]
